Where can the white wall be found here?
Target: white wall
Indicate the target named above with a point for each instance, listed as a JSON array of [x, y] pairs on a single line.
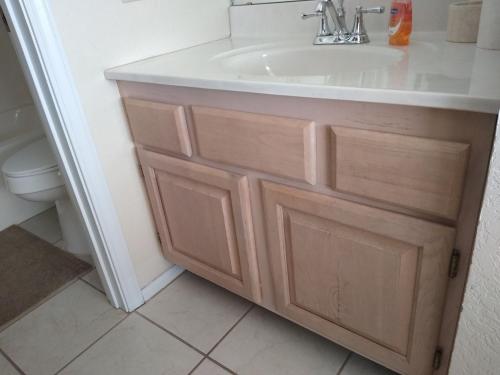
[[284, 18], [477, 346], [99, 34], [14, 92]]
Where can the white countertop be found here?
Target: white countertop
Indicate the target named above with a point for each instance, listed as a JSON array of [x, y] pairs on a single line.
[[429, 73]]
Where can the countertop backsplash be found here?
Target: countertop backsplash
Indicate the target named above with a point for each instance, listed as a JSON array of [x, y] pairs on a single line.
[[283, 19]]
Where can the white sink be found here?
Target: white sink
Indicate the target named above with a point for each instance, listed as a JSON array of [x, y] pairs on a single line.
[[301, 60]]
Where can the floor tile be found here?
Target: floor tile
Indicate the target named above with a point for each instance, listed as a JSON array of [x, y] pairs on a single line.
[[196, 310], [93, 279], [136, 346], [6, 368], [60, 244], [358, 365], [45, 225], [208, 367], [51, 335], [263, 343]]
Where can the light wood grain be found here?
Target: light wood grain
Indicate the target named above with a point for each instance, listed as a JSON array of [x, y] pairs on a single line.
[[204, 219], [372, 280], [278, 145], [421, 173], [158, 125], [475, 129]]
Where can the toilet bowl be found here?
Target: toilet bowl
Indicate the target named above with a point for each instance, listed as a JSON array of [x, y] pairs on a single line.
[[32, 174]]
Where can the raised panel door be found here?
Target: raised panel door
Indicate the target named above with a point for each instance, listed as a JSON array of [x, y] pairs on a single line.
[[371, 280]]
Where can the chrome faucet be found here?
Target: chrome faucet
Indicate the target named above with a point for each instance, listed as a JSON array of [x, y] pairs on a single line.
[[340, 34]]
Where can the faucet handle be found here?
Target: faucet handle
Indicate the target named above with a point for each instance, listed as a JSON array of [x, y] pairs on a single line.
[[306, 16], [378, 10], [324, 27], [359, 34]]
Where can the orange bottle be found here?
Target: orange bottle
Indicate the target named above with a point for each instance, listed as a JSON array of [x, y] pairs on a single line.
[[401, 22]]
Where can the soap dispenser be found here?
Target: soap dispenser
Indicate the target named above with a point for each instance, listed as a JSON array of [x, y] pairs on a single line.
[[401, 22]]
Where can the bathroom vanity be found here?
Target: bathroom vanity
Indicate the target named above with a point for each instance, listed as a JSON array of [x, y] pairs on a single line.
[[344, 200]]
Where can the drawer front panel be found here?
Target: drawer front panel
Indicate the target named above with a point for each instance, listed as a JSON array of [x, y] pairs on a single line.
[[158, 125], [276, 145], [419, 173], [204, 219], [372, 280]]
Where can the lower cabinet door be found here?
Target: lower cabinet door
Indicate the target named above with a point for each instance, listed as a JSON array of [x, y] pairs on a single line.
[[204, 221], [371, 280]]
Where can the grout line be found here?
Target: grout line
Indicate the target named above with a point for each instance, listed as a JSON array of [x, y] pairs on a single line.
[[39, 304], [230, 329], [91, 285], [86, 273], [221, 365], [11, 361], [170, 333], [170, 283], [205, 355], [197, 365], [344, 364], [92, 344]]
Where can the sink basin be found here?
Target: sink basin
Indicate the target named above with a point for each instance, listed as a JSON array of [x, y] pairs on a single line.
[[290, 61]]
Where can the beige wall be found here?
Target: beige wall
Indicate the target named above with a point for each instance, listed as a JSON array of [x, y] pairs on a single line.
[[99, 34], [477, 347], [14, 92]]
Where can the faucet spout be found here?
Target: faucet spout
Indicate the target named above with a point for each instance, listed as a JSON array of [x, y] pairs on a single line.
[[341, 35], [337, 13]]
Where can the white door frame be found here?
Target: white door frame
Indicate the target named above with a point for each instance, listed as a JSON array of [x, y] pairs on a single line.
[[37, 44]]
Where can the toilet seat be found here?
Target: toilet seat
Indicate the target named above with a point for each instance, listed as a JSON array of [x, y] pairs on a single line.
[[33, 175], [32, 169], [34, 159]]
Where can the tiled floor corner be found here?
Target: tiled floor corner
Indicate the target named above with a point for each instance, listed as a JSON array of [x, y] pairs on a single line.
[[190, 327], [136, 346], [196, 311], [53, 334], [93, 279], [6, 368], [208, 367], [358, 365], [264, 343]]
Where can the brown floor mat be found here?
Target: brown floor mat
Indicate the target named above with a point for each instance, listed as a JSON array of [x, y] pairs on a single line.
[[31, 269]]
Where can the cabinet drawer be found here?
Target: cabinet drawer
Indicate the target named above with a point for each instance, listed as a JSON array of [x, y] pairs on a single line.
[[204, 219], [420, 173], [371, 280], [277, 145], [158, 125]]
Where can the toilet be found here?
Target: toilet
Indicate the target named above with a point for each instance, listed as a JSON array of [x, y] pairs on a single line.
[[32, 174]]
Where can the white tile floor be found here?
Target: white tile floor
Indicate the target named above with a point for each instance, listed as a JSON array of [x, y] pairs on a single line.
[[190, 327]]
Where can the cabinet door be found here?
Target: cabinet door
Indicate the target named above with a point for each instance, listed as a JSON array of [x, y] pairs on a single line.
[[371, 280], [204, 220]]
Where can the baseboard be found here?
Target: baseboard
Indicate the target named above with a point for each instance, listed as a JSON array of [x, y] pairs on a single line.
[[161, 282]]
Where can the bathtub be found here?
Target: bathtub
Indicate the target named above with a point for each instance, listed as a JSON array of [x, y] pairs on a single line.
[[18, 128]]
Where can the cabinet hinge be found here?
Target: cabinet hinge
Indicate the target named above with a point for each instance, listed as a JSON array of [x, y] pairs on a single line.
[[438, 357], [4, 19], [159, 237], [454, 262]]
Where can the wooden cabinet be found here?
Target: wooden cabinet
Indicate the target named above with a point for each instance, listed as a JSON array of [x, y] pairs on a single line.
[[420, 173], [158, 125], [203, 217], [278, 145], [340, 216], [372, 280]]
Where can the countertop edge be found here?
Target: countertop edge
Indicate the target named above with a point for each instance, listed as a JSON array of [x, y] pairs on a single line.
[[381, 96]]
